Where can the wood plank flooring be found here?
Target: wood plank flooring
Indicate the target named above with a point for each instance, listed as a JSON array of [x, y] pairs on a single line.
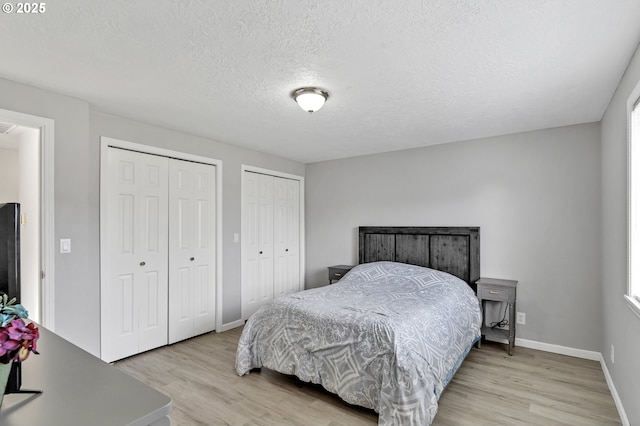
[[491, 388]]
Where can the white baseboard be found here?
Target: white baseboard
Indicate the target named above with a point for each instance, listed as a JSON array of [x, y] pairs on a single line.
[[230, 325], [557, 349], [614, 393], [578, 353]]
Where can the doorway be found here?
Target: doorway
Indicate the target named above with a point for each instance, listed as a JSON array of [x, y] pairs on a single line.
[[26, 163]]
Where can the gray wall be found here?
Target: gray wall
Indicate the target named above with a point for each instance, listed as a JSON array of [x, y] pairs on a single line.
[[621, 326], [535, 196], [77, 311], [77, 177]]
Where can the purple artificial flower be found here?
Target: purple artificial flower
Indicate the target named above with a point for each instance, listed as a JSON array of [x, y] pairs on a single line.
[[7, 347], [17, 339]]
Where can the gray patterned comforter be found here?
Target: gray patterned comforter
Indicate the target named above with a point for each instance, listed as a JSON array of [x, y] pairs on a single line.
[[388, 336]]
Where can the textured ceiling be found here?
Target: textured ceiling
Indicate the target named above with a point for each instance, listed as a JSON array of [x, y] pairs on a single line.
[[400, 74]]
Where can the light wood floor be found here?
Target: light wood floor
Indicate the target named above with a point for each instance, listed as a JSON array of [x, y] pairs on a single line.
[[491, 388]]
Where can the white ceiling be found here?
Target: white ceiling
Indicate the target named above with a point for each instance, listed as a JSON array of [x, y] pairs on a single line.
[[400, 74]]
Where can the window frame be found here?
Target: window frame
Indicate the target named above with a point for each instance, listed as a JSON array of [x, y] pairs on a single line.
[[632, 295]]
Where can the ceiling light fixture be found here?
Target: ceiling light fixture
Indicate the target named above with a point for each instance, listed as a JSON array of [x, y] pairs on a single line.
[[310, 99]]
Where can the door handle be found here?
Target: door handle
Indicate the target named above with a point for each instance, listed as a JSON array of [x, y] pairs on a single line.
[[286, 249], [260, 253], [142, 263], [192, 259]]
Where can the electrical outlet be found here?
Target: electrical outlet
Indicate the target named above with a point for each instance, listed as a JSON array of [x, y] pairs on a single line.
[[521, 318], [612, 355]]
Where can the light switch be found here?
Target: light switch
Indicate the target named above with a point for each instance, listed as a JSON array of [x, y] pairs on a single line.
[[65, 245], [236, 237]]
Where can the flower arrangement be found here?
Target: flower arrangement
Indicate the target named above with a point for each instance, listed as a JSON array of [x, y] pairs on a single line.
[[17, 339]]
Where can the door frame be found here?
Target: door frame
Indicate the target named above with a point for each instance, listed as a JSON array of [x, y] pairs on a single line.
[[105, 143], [47, 209], [246, 168]]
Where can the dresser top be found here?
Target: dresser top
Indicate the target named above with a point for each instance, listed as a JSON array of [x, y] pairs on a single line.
[[79, 389]]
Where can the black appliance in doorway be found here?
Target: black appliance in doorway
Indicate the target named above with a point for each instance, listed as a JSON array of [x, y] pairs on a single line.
[[10, 270]]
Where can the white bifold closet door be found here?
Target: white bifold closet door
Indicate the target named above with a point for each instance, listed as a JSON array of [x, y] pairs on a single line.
[[159, 264], [134, 295], [271, 239], [192, 244]]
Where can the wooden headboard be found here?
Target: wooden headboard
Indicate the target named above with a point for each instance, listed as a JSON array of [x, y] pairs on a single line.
[[455, 250]]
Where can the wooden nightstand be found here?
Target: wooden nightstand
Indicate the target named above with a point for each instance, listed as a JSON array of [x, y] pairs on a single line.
[[336, 272], [499, 291]]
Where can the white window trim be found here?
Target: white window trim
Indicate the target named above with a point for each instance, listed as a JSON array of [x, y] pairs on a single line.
[[632, 301], [633, 304]]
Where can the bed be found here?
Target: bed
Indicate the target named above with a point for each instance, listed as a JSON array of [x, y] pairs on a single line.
[[389, 335]]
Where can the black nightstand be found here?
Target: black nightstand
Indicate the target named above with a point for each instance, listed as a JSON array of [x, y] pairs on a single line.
[[337, 272], [499, 291]]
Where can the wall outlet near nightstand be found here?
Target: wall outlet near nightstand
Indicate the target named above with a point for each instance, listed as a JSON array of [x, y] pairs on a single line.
[[521, 318]]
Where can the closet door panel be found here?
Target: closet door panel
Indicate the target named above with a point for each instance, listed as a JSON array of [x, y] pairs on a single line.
[[257, 242], [204, 254], [152, 313], [152, 222], [279, 276], [184, 295], [287, 235], [125, 211], [127, 319], [202, 302], [293, 234], [119, 337], [280, 237], [265, 277], [136, 250], [265, 238], [192, 238], [180, 241], [250, 287], [250, 242]]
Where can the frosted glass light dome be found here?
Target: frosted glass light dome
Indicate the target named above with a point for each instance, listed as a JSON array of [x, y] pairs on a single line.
[[310, 99]]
